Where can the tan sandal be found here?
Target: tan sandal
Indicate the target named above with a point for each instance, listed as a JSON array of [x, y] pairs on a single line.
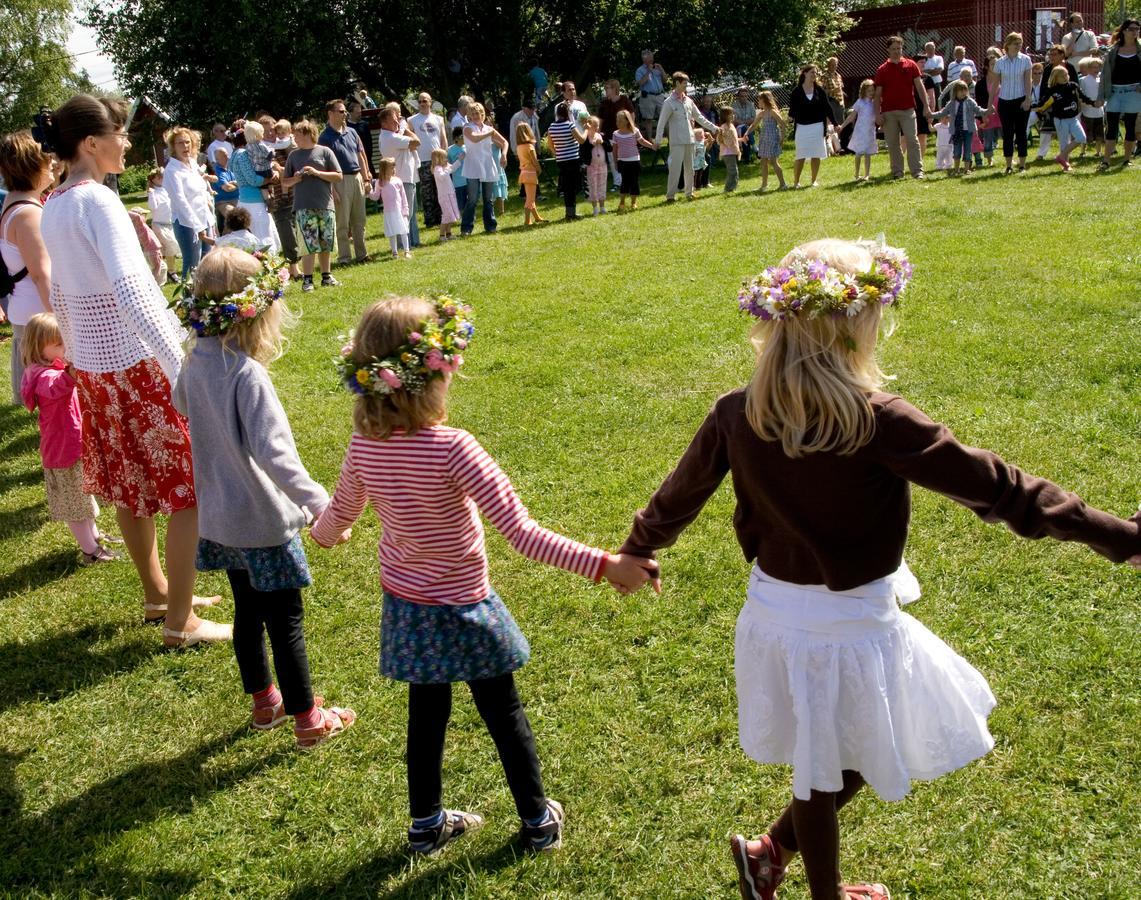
[[155, 613], [333, 721], [207, 632]]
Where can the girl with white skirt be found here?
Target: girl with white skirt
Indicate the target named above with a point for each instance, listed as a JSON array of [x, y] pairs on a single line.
[[833, 678]]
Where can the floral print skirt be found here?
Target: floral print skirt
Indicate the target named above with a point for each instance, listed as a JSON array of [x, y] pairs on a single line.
[[280, 568], [136, 447], [426, 644]]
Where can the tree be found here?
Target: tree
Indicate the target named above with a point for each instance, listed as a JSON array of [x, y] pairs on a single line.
[[35, 67], [183, 57]]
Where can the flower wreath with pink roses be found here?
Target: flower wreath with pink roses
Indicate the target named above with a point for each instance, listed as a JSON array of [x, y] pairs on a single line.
[[213, 316], [433, 350]]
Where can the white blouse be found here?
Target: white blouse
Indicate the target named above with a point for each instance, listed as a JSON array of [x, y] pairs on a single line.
[[111, 313], [479, 164], [189, 194], [1012, 72]]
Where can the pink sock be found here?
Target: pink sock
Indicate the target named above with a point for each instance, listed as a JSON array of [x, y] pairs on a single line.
[[86, 535], [267, 699], [311, 719]]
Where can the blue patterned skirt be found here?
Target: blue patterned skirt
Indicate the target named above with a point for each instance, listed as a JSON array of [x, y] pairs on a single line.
[[426, 644], [270, 568]]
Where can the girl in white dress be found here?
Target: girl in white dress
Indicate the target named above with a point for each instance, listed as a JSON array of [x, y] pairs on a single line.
[[863, 142], [832, 677], [390, 192]]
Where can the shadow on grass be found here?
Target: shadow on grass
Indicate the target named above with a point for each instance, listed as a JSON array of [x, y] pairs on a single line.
[[64, 662], [57, 851], [22, 521], [364, 880], [38, 572]]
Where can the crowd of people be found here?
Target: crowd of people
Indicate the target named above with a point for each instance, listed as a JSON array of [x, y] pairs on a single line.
[[169, 409]]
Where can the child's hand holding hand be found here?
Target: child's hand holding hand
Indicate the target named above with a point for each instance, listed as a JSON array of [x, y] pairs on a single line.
[[346, 535], [628, 573]]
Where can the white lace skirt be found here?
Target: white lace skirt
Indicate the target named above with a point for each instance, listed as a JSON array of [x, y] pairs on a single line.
[[834, 680]]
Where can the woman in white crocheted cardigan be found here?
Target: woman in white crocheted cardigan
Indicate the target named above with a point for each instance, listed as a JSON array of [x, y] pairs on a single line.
[[126, 348]]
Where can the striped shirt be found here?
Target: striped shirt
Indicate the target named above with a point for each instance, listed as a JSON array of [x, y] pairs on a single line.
[[562, 141], [1013, 75], [626, 145], [428, 490]]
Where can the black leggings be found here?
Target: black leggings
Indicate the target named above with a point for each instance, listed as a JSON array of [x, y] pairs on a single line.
[[570, 183], [1112, 119], [430, 706], [1014, 123], [811, 827], [631, 172], [280, 614]]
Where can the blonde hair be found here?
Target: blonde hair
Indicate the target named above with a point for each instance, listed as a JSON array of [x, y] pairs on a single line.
[[307, 129], [594, 122], [1091, 61], [1058, 75], [227, 270], [282, 125], [524, 134], [867, 86], [1014, 36], [439, 157], [253, 131], [475, 107], [179, 132], [810, 388], [383, 328], [386, 168], [42, 329], [624, 118]]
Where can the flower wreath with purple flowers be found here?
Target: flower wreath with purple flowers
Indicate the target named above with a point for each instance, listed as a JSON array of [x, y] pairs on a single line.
[[213, 316], [433, 350], [811, 287]]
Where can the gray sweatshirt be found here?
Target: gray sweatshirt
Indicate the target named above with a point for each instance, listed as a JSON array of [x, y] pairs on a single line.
[[253, 490]]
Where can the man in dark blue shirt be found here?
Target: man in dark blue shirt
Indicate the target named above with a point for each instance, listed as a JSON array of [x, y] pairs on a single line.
[[349, 194]]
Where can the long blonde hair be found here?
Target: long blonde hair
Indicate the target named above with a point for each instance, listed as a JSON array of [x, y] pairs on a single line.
[[383, 328], [810, 388], [42, 329], [227, 270]]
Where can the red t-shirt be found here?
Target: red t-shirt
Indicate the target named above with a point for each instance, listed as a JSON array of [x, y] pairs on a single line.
[[898, 83]]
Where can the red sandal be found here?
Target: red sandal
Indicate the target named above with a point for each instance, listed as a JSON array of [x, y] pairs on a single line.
[[333, 721], [267, 718], [759, 872], [865, 891]]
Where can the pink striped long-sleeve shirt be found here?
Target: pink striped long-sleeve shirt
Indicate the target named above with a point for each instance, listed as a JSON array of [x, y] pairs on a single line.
[[428, 490]]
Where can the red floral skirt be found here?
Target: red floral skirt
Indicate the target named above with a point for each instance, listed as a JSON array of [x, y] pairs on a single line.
[[136, 447]]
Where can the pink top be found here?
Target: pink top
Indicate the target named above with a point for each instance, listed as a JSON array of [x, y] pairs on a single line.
[[626, 144], [428, 490], [597, 152], [729, 140], [391, 192], [61, 425]]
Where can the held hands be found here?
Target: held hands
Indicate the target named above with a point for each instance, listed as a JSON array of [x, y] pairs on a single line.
[[628, 573]]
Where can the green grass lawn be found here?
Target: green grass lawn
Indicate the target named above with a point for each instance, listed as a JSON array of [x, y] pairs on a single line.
[[125, 770]]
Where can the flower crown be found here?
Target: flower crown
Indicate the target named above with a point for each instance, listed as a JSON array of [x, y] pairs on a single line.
[[811, 287], [211, 316], [434, 349]]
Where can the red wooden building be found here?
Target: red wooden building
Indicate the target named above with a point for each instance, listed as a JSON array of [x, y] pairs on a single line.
[[975, 24]]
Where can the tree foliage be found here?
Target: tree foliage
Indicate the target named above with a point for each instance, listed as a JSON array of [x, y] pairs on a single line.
[[35, 67], [218, 58]]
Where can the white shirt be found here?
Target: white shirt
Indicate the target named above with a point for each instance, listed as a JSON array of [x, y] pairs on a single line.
[[957, 65], [24, 301], [459, 120], [189, 195], [243, 239], [1090, 85], [215, 146], [111, 313], [1012, 73], [532, 120], [479, 164], [1079, 46], [395, 145], [934, 62], [158, 202], [430, 129], [577, 108]]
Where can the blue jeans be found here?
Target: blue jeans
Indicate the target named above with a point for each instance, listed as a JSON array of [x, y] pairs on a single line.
[[413, 228], [189, 246], [961, 147], [461, 197], [474, 189]]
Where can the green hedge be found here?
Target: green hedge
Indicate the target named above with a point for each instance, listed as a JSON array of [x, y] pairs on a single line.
[[133, 180]]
